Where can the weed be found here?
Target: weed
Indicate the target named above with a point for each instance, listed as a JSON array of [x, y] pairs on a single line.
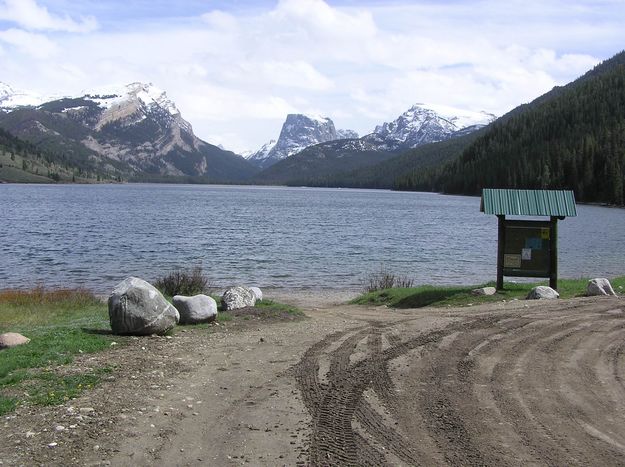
[[385, 279], [184, 282]]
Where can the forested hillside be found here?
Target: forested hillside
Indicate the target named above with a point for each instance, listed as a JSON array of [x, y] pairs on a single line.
[[384, 174], [21, 161], [571, 138]]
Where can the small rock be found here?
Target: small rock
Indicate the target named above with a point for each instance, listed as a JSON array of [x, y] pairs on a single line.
[[53, 444], [12, 339], [484, 291], [59, 428], [30, 434], [87, 410], [599, 286], [197, 309], [542, 293], [237, 297]]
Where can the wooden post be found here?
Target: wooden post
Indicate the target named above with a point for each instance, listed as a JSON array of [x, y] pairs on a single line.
[[553, 253], [501, 234]]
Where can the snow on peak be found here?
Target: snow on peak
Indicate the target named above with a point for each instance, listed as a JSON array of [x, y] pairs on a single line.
[[316, 118], [148, 94], [262, 153], [11, 98], [428, 123], [461, 118]]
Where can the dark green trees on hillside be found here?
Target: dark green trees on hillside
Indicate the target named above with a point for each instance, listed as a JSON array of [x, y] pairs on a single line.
[[573, 140]]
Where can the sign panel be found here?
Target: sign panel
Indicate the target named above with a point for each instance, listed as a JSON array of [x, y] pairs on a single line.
[[527, 249]]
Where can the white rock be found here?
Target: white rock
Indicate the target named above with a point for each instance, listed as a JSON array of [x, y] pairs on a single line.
[[196, 309], [138, 308], [542, 293], [257, 293], [12, 339], [237, 297], [484, 291], [599, 286]]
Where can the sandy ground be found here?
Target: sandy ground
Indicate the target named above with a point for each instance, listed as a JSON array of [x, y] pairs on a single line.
[[515, 383]]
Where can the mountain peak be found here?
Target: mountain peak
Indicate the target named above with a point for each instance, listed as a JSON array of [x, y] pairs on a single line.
[[146, 93], [11, 98], [427, 123], [298, 132]]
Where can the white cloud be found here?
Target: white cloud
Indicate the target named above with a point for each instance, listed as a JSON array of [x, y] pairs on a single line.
[[34, 45], [29, 15], [238, 73], [221, 20]]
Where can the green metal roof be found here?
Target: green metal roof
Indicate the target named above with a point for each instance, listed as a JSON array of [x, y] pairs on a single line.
[[557, 203]]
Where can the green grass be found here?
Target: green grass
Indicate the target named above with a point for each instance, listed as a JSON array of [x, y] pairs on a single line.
[[61, 324], [269, 309], [277, 307], [427, 295]]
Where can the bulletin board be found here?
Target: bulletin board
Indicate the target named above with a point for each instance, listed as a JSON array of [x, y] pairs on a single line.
[[527, 248]]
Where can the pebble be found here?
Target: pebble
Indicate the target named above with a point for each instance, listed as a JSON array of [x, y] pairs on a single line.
[[87, 410], [59, 428], [51, 445]]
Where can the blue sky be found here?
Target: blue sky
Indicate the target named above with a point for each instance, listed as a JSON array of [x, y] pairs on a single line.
[[236, 68]]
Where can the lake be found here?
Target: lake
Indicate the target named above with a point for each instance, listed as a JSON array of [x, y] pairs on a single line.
[[96, 235]]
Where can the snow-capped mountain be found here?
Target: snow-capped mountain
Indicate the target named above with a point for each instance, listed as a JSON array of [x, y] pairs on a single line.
[[298, 132], [134, 127], [11, 98], [417, 126], [423, 124], [346, 134]]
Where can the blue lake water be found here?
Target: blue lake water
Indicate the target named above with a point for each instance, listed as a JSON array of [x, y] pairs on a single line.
[[96, 235]]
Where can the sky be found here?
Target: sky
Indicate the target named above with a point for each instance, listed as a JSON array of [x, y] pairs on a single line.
[[236, 68]]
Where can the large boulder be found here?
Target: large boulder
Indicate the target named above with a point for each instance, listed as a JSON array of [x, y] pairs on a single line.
[[599, 286], [237, 297], [12, 339], [257, 293], [138, 308], [196, 309], [542, 293]]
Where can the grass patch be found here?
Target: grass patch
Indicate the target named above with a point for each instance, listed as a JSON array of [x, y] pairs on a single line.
[[427, 295], [61, 324], [277, 307], [264, 309]]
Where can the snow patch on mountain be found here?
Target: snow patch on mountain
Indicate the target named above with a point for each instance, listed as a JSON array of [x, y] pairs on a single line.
[[262, 153], [346, 134], [11, 98], [298, 132], [426, 123]]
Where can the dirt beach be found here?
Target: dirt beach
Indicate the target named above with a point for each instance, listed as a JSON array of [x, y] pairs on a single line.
[[513, 383]]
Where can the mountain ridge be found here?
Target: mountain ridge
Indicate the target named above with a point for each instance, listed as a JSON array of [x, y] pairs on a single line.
[[137, 125]]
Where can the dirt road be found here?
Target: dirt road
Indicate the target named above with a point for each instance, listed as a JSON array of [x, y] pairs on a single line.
[[515, 383]]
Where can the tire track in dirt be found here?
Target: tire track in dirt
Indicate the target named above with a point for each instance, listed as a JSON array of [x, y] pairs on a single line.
[[521, 386]]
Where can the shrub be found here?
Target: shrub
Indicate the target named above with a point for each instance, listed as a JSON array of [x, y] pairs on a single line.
[[184, 282], [385, 279]]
